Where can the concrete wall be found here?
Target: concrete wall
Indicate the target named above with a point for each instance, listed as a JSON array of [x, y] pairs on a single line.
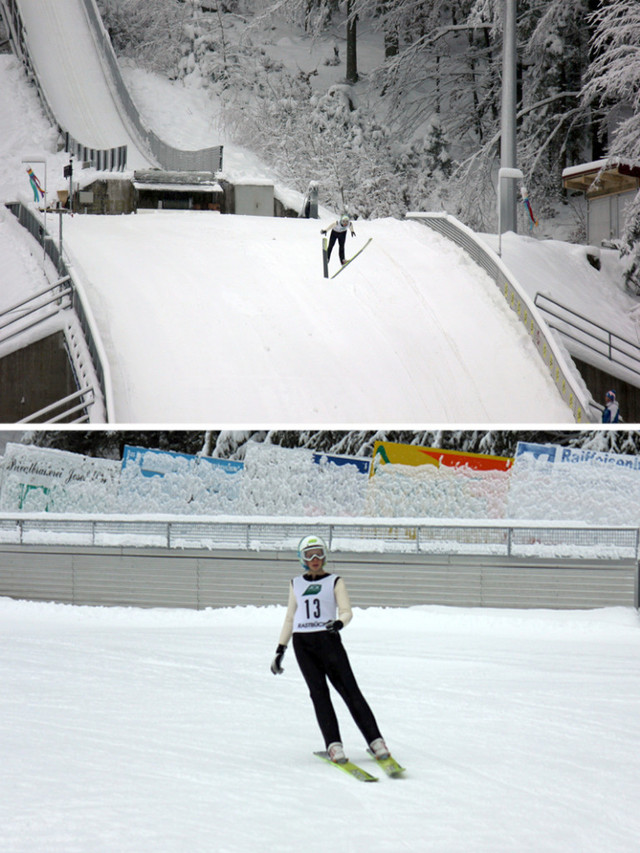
[[34, 377], [198, 578]]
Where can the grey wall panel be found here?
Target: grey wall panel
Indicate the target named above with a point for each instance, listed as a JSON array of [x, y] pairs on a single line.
[[195, 578], [47, 578], [140, 579]]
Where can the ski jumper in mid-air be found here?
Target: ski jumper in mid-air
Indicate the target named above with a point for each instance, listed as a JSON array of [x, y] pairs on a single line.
[[339, 230], [318, 609]]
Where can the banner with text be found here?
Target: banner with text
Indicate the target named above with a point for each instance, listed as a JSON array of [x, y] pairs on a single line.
[[39, 479], [558, 483]]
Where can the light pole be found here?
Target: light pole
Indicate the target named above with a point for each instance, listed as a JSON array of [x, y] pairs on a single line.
[[506, 173], [508, 152]]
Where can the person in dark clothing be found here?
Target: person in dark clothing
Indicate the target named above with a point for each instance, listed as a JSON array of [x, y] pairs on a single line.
[[611, 412], [318, 609], [339, 232]]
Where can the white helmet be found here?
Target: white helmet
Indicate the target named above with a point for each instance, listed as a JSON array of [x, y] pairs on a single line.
[[311, 543], [344, 219]]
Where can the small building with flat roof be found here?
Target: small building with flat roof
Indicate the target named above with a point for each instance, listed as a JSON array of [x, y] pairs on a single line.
[[609, 186]]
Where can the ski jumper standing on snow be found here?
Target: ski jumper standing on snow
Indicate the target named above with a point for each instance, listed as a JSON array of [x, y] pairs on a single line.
[[339, 232], [317, 611]]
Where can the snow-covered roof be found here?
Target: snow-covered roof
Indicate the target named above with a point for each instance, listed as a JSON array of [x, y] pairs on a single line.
[[625, 167], [178, 188], [602, 177], [158, 177]]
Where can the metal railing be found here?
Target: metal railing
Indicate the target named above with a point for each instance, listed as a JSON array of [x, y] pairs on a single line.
[[36, 309], [594, 337], [100, 367], [519, 302], [73, 404], [365, 535]]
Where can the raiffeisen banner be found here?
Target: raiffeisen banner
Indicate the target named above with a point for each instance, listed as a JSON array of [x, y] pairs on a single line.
[[388, 452], [576, 455], [42, 479], [558, 483]]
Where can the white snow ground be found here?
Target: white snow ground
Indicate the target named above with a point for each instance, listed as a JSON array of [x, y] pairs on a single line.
[[229, 319], [164, 731]]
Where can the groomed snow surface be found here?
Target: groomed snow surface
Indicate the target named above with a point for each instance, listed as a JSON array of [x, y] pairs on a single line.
[[229, 318], [164, 732]]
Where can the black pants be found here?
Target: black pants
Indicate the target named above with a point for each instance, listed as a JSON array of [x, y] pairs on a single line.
[[341, 237], [322, 656]]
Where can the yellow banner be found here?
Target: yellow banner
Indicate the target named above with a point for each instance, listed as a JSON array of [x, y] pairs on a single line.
[[391, 453]]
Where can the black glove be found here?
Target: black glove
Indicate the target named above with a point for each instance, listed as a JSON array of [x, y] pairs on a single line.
[[353, 233], [334, 625], [276, 667], [323, 232]]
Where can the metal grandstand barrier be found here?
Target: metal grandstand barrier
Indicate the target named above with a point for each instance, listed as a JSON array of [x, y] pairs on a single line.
[[195, 563], [175, 533], [518, 300]]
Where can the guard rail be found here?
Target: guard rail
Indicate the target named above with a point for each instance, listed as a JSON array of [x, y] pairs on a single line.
[[519, 302], [589, 334], [385, 535]]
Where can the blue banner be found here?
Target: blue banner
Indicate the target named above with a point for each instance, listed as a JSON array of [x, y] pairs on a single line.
[[363, 465], [157, 463]]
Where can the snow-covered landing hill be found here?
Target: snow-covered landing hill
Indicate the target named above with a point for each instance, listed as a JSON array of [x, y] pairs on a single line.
[[228, 319]]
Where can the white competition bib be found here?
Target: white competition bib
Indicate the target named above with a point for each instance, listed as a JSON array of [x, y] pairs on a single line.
[[316, 603]]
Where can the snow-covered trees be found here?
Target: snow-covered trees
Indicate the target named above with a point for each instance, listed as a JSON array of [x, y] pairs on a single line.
[[422, 131], [232, 444], [150, 32], [614, 81]]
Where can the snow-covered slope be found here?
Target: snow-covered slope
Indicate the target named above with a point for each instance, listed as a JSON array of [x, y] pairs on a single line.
[[229, 319]]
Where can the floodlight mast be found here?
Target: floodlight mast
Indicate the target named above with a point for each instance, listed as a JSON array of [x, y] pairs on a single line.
[[507, 197]]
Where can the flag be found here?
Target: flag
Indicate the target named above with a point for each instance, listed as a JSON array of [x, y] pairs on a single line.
[[527, 204], [38, 192]]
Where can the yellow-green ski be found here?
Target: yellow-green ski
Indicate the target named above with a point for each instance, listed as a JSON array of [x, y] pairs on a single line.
[[389, 765], [348, 767]]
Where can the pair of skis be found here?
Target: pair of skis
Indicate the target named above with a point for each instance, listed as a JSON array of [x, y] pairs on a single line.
[[325, 258], [389, 765]]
